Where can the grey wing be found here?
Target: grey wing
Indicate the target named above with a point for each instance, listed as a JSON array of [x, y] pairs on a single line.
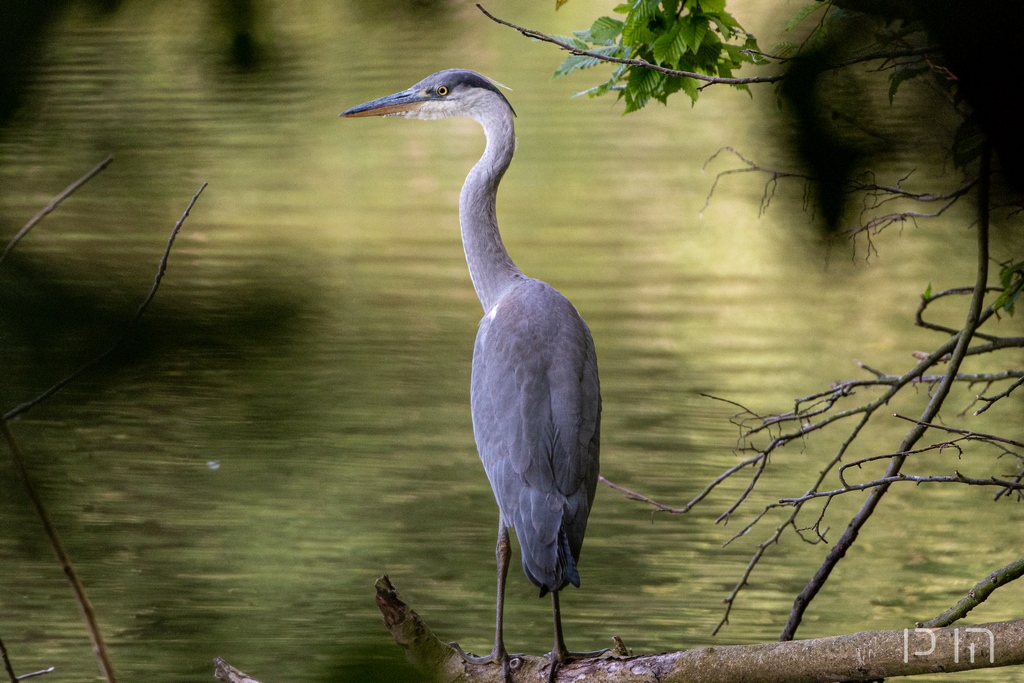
[[536, 417]]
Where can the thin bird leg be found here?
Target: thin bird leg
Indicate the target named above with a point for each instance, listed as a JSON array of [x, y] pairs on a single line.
[[502, 554], [559, 653]]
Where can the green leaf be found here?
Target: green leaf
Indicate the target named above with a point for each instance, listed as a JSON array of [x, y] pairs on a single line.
[[1007, 298], [606, 29], [904, 72], [689, 86], [640, 87], [712, 6], [670, 46], [1006, 274], [623, 8], [571, 40], [636, 30], [927, 296], [968, 142], [1012, 279], [574, 62], [692, 30], [729, 21], [784, 48], [706, 58], [803, 13], [1010, 301]]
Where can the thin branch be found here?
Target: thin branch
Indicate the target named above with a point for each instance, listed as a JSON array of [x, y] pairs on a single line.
[[7, 663], [977, 595], [762, 463], [790, 522], [161, 268], [661, 507], [37, 673], [633, 495], [731, 598], [967, 433], [990, 400], [886, 56], [879, 223], [751, 167], [77, 587], [892, 192], [996, 345], [68, 191], [955, 478], [919, 320], [643, 63], [974, 318]]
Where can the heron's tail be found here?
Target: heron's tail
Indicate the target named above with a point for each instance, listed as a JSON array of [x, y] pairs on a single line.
[[562, 573]]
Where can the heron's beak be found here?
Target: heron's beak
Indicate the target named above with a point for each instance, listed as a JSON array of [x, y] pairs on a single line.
[[399, 104]]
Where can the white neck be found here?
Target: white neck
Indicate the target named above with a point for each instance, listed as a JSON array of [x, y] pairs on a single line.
[[490, 266]]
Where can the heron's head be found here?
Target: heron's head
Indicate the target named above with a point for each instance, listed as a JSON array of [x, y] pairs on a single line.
[[448, 93]]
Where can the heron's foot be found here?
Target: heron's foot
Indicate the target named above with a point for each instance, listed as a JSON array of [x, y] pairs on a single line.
[[559, 658], [509, 663]]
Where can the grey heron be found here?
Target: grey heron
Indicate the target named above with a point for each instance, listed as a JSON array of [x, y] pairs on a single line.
[[535, 395]]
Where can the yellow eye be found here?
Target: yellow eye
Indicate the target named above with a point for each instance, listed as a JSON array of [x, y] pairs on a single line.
[[441, 90]]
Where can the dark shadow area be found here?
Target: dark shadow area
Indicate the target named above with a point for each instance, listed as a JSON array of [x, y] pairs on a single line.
[[23, 25], [61, 326], [846, 125]]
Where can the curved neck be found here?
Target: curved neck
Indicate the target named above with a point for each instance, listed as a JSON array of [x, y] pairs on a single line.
[[490, 266]]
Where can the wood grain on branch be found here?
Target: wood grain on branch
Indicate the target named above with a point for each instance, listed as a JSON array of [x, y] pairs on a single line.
[[862, 656]]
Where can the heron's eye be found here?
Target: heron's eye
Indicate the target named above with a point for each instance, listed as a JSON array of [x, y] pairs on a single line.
[[441, 90]]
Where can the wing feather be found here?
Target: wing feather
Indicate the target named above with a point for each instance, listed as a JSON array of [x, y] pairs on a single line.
[[536, 417]]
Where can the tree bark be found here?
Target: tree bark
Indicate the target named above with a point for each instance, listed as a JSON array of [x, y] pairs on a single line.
[[865, 656]]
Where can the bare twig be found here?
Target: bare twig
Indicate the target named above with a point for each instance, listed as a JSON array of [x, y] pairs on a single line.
[[965, 432], [919, 320], [751, 167], [643, 63], [882, 194], [879, 223], [7, 663], [68, 191], [870, 57], [161, 268], [730, 600], [977, 595], [975, 316], [991, 400], [77, 587], [99, 647], [633, 495], [49, 670], [956, 478]]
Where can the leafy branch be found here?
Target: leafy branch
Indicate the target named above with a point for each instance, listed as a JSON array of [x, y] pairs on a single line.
[[660, 48]]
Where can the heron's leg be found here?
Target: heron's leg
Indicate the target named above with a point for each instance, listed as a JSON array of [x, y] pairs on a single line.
[[502, 553], [560, 653]]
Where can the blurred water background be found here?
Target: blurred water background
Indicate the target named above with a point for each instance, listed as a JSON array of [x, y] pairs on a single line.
[[290, 419]]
